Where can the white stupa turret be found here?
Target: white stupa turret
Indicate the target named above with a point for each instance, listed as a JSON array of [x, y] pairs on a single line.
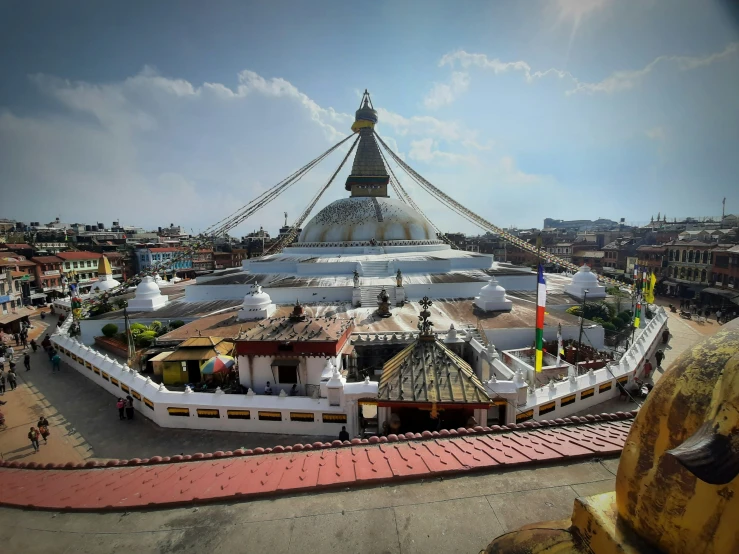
[[105, 277], [257, 305], [148, 298], [492, 298], [161, 282], [584, 280]]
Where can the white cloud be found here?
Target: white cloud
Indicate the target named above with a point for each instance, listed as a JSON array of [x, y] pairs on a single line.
[[466, 59], [615, 82], [442, 94], [426, 150], [625, 80]]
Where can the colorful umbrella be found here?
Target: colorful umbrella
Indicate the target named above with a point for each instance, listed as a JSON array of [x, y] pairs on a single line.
[[217, 364]]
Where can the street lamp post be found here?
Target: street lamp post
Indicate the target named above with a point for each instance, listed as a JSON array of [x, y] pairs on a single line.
[[579, 339]]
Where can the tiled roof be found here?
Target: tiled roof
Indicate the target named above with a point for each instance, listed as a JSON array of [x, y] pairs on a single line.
[[15, 246], [47, 260], [310, 330], [313, 467], [71, 256]]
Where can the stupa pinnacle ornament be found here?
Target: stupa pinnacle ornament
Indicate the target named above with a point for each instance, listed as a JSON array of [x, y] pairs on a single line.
[[369, 176]]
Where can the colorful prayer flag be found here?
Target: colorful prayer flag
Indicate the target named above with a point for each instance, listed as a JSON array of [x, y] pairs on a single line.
[[637, 314], [560, 348], [541, 302]]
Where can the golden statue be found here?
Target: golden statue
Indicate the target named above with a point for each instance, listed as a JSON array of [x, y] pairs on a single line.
[[677, 487]]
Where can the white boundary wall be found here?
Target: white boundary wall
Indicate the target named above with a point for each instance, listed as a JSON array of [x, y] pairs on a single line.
[[227, 412], [597, 386], [294, 415]]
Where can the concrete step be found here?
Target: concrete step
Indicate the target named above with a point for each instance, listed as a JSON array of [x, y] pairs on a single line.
[[369, 295], [374, 269]]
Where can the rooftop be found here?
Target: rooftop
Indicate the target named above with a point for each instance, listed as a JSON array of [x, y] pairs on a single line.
[[177, 309], [427, 371], [70, 256], [311, 330], [47, 260]]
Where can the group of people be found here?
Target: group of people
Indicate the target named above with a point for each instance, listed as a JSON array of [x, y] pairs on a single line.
[[41, 430], [293, 390], [722, 315], [125, 408]]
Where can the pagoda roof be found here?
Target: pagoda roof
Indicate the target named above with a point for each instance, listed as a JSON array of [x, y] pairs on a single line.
[[427, 371]]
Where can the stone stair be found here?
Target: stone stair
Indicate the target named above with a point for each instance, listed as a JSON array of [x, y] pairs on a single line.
[[376, 268], [482, 339], [370, 292]]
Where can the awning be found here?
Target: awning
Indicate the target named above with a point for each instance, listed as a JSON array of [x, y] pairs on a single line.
[[10, 318], [38, 295], [728, 294]]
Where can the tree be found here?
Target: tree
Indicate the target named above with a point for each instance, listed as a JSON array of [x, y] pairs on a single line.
[[110, 330]]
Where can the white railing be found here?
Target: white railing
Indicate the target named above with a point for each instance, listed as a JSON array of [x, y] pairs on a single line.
[[565, 398], [199, 410]]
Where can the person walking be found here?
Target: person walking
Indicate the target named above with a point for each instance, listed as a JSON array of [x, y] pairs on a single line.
[[43, 428], [27, 361], [121, 405], [56, 361], [343, 434], [10, 353], [17, 337], [129, 407], [2, 383], [33, 437], [12, 380], [659, 356], [24, 340], [647, 369]]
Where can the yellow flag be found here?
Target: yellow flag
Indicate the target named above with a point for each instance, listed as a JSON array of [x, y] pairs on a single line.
[[649, 292]]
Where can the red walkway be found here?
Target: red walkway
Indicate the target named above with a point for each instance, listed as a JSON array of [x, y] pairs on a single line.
[[243, 474]]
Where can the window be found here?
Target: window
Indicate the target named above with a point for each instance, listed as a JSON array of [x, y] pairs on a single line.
[[703, 275], [74, 264], [287, 371], [690, 256], [685, 255], [66, 265]]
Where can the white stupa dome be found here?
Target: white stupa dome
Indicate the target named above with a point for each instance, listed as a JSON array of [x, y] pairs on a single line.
[[257, 304], [148, 297], [105, 282], [584, 280], [367, 218], [492, 298]]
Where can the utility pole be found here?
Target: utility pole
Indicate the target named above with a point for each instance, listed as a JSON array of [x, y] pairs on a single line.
[[579, 338]]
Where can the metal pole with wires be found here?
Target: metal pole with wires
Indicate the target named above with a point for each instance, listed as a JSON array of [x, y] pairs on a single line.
[[579, 338]]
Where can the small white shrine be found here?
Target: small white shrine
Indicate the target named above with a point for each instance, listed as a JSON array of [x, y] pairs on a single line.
[[105, 280], [584, 280], [492, 298], [257, 305], [148, 297]]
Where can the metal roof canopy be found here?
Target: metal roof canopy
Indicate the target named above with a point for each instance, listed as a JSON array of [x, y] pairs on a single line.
[[427, 371]]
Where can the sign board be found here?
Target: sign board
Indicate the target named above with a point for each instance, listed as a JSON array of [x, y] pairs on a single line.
[[4, 299], [52, 272]]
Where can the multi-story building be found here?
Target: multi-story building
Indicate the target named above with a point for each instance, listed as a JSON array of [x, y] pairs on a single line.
[[561, 250], [19, 275], [688, 266], [80, 268], [616, 253], [653, 258], [162, 256], [202, 260], [49, 274], [725, 270]]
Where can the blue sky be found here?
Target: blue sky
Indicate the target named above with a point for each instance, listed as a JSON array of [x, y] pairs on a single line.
[[181, 112]]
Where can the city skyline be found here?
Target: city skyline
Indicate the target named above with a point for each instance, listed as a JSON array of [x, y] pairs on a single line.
[[520, 113]]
